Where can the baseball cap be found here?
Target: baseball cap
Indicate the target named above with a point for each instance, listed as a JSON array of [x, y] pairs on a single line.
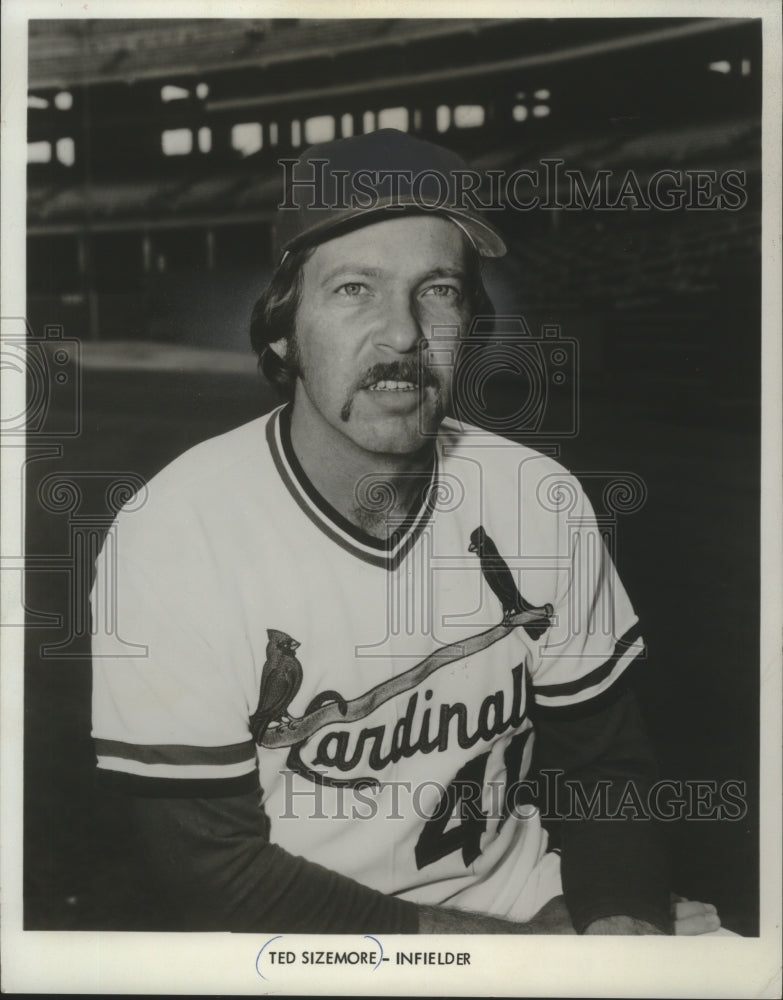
[[346, 183]]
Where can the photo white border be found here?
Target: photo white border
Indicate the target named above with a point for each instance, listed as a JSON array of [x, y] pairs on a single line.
[[98, 962]]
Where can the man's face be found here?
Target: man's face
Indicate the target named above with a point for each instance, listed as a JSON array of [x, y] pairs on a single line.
[[371, 301]]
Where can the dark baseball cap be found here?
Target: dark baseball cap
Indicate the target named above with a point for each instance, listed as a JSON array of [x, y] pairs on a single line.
[[340, 185]]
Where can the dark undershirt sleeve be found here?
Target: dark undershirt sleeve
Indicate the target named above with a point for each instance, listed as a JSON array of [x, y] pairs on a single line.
[[221, 874], [609, 867], [219, 871]]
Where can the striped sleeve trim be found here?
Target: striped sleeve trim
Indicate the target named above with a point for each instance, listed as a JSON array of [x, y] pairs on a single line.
[[176, 753], [594, 683], [173, 788], [177, 761]]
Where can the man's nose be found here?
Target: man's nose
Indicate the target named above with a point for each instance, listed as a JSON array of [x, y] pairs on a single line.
[[400, 330]]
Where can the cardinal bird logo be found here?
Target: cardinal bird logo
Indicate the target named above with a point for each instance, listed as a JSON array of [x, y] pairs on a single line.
[[281, 679], [501, 580]]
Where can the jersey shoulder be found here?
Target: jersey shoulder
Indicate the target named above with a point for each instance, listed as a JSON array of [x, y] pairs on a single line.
[[200, 487], [496, 454], [518, 487], [212, 464]]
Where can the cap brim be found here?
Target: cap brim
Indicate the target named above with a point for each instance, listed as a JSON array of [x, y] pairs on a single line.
[[484, 237]]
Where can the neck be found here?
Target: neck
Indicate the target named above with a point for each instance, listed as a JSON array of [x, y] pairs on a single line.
[[374, 491]]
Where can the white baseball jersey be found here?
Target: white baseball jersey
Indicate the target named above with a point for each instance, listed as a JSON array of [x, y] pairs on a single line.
[[389, 683]]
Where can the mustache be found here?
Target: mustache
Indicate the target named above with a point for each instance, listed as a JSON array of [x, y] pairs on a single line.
[[416, 372], [408, 370]]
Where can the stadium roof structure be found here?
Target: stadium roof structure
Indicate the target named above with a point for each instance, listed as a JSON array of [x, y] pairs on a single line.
[[75, 53]]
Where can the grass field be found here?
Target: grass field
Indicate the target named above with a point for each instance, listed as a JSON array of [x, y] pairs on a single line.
[[689, 559]]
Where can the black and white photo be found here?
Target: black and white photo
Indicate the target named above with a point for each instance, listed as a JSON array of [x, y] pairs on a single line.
[[391, 519]]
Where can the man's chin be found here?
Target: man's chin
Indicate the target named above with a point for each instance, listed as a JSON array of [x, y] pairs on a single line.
[[396, 433]]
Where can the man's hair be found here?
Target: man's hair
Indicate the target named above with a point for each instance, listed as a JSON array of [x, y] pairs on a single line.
[[274, 314], [274, 318]]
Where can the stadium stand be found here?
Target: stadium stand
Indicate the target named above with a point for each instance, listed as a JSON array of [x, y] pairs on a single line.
[[174, 129]]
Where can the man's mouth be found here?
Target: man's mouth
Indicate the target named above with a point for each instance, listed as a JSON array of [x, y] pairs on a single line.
[[400, 376], [391, 385], [395, 381]]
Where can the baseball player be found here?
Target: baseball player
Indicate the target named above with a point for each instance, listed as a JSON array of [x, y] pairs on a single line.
[[350, 634]]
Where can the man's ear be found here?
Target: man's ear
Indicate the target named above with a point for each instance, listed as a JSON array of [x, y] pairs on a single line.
[[280, 347]]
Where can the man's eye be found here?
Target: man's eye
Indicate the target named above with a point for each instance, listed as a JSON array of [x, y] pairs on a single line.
[[442, 291], [351, 289]]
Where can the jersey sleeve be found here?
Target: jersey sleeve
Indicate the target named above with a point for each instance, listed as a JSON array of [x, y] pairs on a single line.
[[595, 633], [169, 714]]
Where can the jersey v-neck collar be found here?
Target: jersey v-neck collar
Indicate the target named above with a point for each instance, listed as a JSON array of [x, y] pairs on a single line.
[[384, 553]]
